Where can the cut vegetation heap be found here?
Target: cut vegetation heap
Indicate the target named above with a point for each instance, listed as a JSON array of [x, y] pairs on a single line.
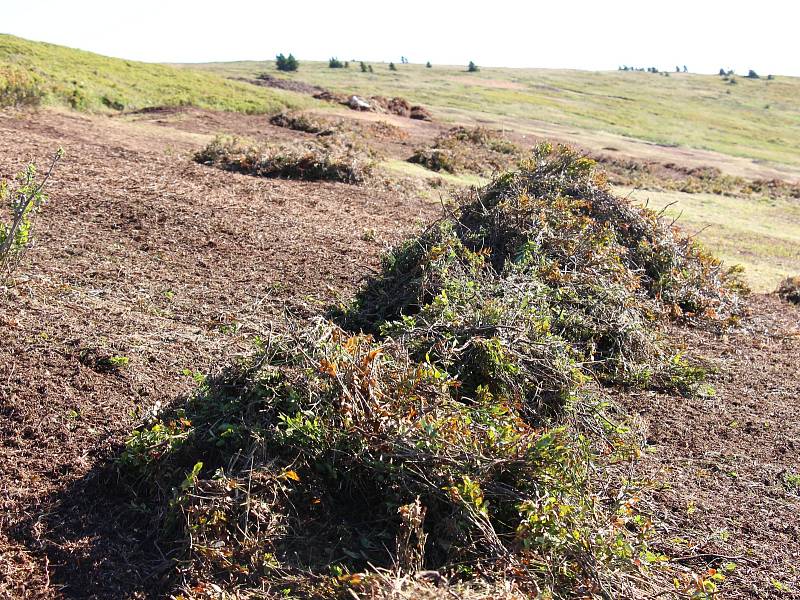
[[475, 149], [452, 419], [332, 158]]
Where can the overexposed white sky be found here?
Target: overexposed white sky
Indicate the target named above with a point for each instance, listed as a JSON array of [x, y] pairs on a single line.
[[580, 34]]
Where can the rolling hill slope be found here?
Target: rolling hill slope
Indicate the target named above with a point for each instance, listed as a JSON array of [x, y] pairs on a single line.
[[756, 119], [86, 81]]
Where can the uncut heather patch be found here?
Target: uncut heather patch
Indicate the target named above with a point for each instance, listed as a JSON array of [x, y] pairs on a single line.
[[450, 422], [477, 149], [332, 158]]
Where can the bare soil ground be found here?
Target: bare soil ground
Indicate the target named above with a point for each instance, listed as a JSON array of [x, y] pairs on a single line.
[[144, 254]]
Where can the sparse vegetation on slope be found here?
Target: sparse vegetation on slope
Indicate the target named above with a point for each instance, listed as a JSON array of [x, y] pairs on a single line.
[[449, 421], [33, 72]]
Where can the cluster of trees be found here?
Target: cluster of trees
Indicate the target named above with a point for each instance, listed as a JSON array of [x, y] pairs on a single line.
[[751, 74], [290, 63], [652, 69], [286, 63]]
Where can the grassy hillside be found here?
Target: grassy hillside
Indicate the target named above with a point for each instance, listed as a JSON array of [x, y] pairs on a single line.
[[757, 119], [763, 235], [87, 81]]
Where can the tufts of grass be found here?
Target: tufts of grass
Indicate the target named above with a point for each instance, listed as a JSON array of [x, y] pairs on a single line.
[[449, 422], [333, 158], [34, 72]]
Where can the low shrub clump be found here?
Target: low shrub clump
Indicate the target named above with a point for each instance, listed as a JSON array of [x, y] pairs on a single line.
[[332, 158], [460, 149], [447, 425], [789, 289], [19, 87]]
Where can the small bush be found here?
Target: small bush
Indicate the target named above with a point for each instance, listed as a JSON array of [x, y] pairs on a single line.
[[392, 66], [428, 65], [363, 66], [789, 289], [283, 63], [20, 201], [472, 67], [752, 75], [335, 63], [332, 158], [19, 87]]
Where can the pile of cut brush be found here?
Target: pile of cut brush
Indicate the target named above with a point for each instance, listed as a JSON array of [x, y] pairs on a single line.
[[449, 428], [477, 150], [332, 158]]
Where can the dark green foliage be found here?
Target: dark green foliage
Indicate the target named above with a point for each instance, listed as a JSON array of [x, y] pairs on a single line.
[[335, 63], [284, 63], [428, 65], [472, 67], [752, 75], [392, 67], [363, 67]]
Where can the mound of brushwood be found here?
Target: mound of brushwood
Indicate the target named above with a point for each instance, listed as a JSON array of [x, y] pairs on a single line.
[[333, 158], [322, 126], [477, 150], [448, 430], [299, 121]]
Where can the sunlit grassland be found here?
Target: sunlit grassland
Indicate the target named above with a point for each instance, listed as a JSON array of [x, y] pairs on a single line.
[[92, 82], [762, 235], [756, 119]]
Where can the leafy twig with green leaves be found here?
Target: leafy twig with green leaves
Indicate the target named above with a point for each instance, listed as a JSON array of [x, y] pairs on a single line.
[[23, 204]]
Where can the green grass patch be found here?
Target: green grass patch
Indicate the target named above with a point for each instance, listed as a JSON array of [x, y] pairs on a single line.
[[91, 82]]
